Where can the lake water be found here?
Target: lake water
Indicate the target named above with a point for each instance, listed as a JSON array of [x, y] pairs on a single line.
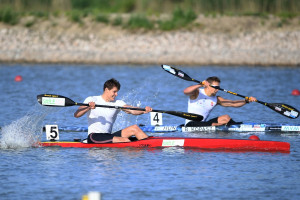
[[169, 173]]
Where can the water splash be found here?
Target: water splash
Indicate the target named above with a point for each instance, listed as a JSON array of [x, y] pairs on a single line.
[[136, 97], [26, 131]]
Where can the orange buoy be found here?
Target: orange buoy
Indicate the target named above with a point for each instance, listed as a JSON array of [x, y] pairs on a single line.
[[18, 78], [254, 137], [295, 92]]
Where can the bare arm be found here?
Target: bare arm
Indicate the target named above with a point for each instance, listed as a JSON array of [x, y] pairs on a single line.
[[192, 91], [84, 109], [137, 112], [234, 103]]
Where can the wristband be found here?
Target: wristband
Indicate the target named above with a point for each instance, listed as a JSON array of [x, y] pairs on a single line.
[[247, 100]]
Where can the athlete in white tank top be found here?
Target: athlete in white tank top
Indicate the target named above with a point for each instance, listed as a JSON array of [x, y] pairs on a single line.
[[203, 100], [202, 105]]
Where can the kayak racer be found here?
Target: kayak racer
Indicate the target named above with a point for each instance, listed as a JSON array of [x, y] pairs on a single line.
[[101, 120], [202, 100]]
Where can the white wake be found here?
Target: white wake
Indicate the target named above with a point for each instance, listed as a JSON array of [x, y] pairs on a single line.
[[26, 131]]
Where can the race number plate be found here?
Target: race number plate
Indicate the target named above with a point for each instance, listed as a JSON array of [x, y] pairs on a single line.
[[156, 119], [52, 132]]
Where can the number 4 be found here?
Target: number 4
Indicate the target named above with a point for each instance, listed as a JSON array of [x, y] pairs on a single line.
[[156, 118]]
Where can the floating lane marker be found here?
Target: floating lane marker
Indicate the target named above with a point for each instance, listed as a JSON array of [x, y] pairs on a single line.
[[165, 128], [198, 129], [290, 128], [249, 127], [92, 195]]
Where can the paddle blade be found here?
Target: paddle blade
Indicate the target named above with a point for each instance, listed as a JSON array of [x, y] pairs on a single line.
[[190, 116], [54, 100], [284, 109], [178, 73]]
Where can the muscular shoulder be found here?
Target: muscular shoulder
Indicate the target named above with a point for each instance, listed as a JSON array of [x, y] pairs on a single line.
[[89, 99], [120, 103]]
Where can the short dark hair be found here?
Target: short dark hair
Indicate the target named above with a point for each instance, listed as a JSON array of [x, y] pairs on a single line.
[[213, 79], [109, 84]]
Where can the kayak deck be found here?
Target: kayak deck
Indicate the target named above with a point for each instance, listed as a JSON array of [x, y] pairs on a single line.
[[200, 143]]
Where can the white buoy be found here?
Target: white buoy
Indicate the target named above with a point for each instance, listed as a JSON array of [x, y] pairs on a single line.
[[92, 195]]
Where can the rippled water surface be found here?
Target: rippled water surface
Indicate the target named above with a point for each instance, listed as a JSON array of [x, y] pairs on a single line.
[[128, 173]]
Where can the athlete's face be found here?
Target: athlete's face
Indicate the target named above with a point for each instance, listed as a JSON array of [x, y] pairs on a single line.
[[212, 91], [112, 94]]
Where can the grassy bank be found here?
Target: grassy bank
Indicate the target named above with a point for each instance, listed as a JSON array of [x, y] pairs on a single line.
[[189, 32], [157, 6], [148, 15]]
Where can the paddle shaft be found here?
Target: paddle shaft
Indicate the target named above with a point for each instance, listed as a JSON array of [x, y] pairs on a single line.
[[120, 107], [184, 76], [185, 115], [233, 93], [58, 101]]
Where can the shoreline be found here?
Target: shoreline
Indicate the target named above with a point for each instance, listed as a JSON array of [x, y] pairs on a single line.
[[216, 41]]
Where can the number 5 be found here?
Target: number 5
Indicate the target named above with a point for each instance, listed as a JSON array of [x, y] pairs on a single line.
[[52, 132]]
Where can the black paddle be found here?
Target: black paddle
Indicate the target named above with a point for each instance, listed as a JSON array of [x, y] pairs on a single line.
[[61, 101], [283, 109]]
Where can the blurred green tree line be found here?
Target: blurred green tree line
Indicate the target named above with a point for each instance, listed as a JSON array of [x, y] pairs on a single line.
[[182, 12], [157, 6]]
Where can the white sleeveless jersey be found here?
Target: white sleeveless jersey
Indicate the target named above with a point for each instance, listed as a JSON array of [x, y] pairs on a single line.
[[202, 105], [101, 119]]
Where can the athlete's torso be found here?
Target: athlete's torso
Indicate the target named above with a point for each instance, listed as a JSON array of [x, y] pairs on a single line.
[[202, 105], [101, 120]]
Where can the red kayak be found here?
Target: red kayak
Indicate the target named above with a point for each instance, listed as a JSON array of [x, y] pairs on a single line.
[[251, 144]]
